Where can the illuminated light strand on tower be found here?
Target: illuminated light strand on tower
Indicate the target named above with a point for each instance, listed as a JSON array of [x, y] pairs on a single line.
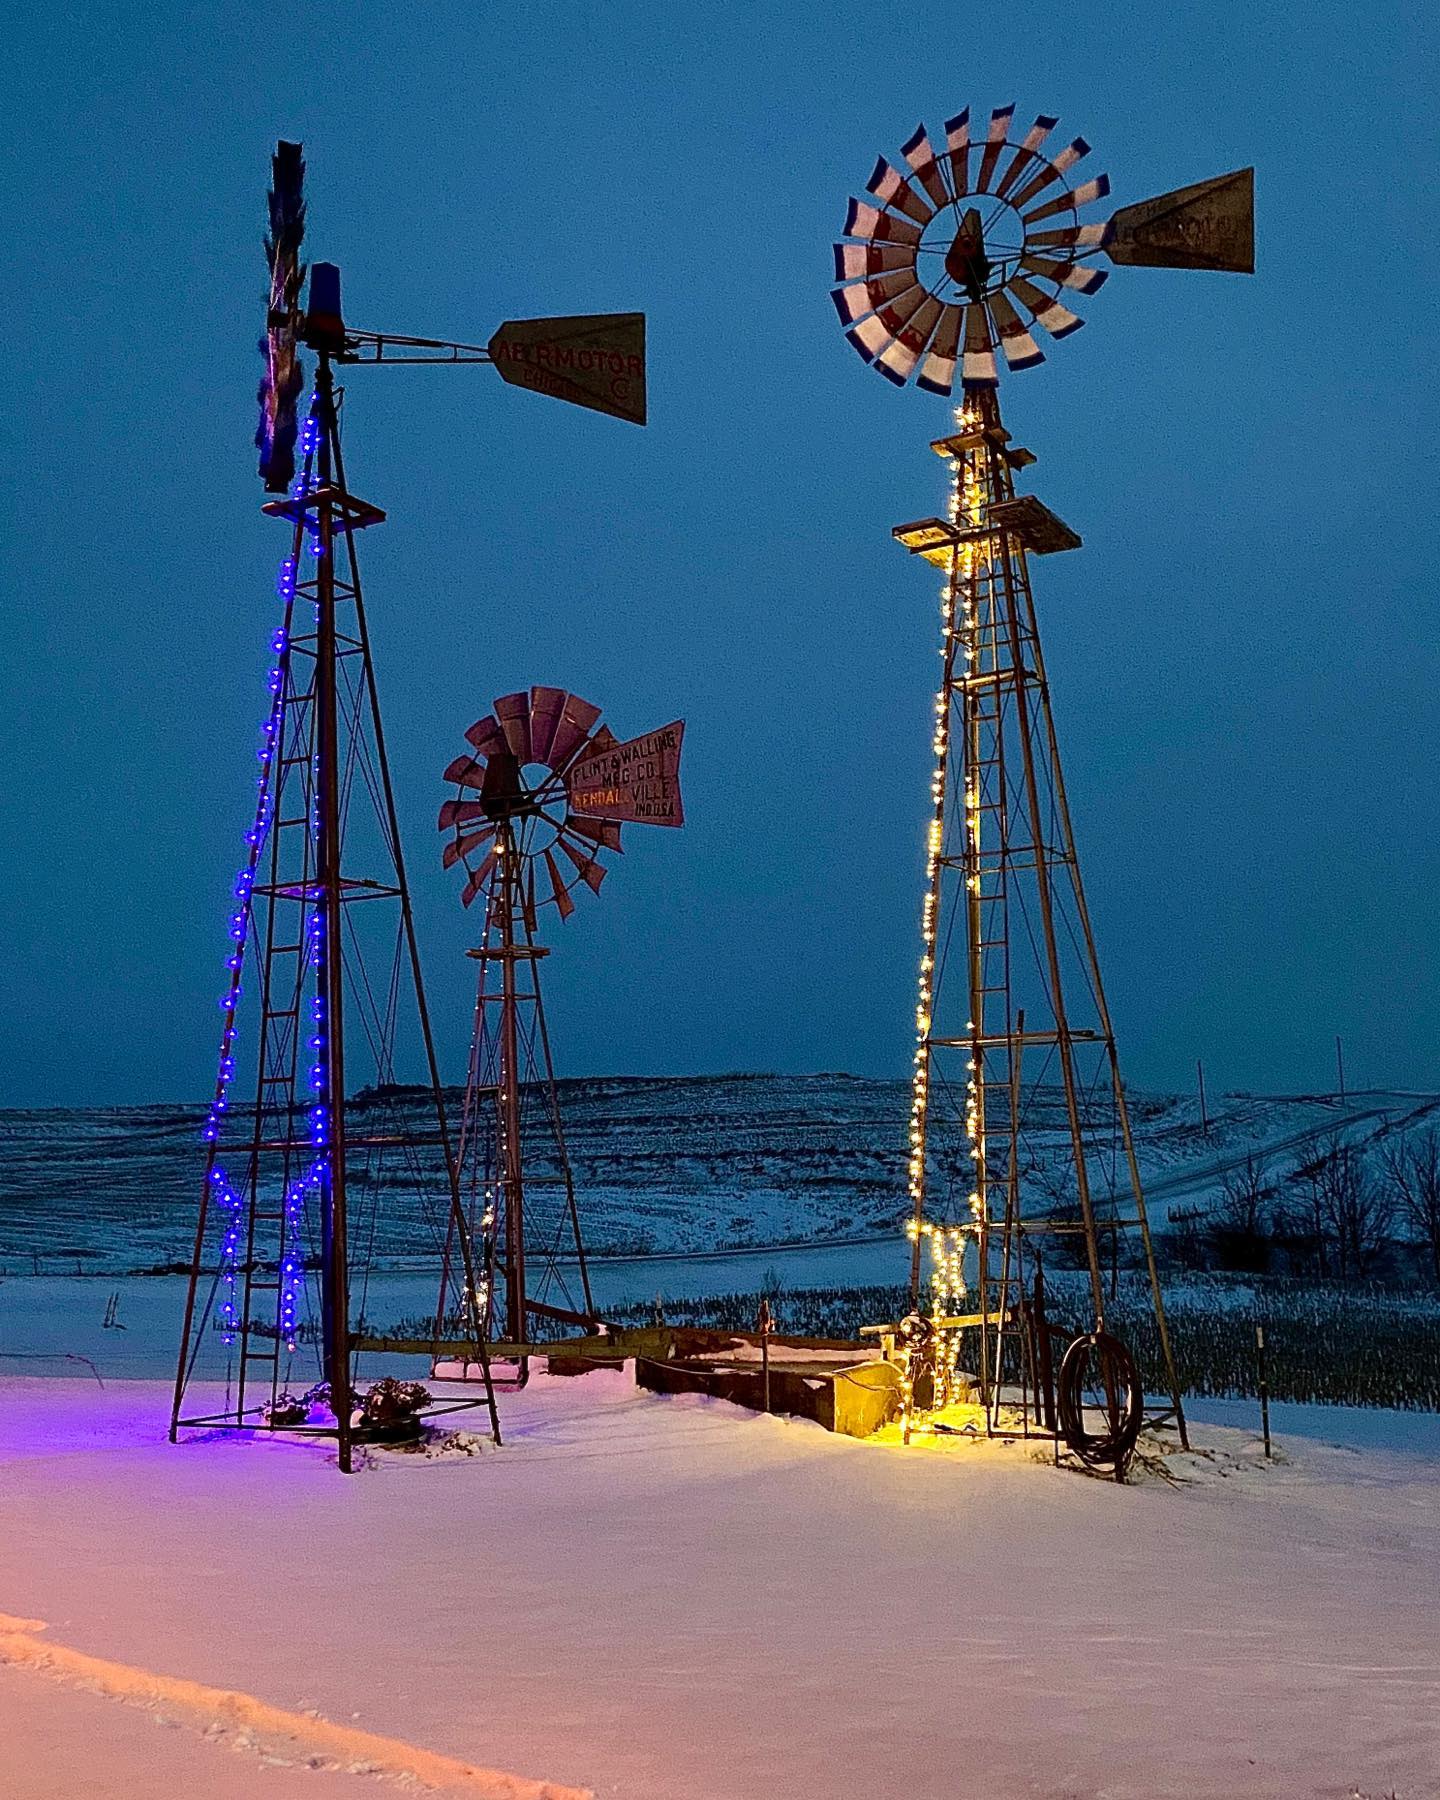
[[225, 1196], [959, 625]]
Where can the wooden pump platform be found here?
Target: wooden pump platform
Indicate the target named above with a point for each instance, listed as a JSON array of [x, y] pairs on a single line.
[[840, 1386], [844, 1386]]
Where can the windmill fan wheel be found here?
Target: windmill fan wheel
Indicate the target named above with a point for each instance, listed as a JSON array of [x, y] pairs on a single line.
[[512, 801], [961, 254]]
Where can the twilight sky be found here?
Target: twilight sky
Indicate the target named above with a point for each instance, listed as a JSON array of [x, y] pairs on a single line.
[[1244, 657]]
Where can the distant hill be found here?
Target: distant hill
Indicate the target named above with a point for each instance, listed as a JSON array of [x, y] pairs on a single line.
[[661, 1164]]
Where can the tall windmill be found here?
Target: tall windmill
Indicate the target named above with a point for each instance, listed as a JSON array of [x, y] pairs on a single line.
[[540, 801], [296, 1170], [947, 261]]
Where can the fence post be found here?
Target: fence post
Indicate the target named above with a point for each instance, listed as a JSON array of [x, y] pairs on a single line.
[[1264, 1387]]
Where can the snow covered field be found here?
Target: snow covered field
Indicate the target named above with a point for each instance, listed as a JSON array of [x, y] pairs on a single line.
[[677, 1600], [663, 1166]]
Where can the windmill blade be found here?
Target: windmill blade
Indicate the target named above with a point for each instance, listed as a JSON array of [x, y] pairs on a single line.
[[462, 846], [869, 338], [460, 812], [591, 872], [957, 146], [284, 375], [854, 260], [564, 904], [978, 368], [898, 313], [478, 878], [1044, 308], [513, 712], [938, 374], [546, 705], [527, 899], [852, 303], [486, 736], [994, 144], [1074, 237], [897, 364], [868, 296], [1052, 171], [604, 832], [887, 184], [1071, 200], [919, 153], [466, 771], [1021, 350], [865, 221], [1026, 154], [1066, 274], [1208, 225], [577, 720]]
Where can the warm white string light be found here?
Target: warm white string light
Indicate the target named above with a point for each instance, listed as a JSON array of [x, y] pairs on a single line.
[[946, 1244]]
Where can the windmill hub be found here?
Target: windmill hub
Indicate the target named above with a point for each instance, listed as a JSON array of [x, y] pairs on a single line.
[[966, 263]]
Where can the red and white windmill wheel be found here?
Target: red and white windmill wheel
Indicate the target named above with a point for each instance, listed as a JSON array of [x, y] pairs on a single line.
[[982, 240], [546, 787]]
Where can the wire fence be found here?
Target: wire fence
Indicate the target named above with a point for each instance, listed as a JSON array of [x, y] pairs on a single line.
[[1326, 1342]]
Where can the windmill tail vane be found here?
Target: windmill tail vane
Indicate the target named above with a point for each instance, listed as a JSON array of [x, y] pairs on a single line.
[[962, 256]]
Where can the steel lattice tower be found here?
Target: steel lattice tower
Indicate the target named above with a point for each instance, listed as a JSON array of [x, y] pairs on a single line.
[[948, 264], [329, 983], [1011, 1006], [541, 799]]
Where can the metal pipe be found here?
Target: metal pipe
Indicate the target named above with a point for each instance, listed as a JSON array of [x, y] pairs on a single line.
[[335, 1268]]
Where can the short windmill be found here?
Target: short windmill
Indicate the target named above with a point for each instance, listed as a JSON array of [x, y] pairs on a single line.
[[951, 261], [296, 1167], [541, 798]]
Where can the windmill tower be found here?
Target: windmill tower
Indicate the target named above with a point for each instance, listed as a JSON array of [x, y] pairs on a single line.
[[541, 798], [942, 267], [297, 1172]]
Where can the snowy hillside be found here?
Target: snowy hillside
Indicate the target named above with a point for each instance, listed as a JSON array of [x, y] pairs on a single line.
[[663, 1166]]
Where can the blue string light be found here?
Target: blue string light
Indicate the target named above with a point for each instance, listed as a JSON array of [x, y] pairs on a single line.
[[291, 1263], [224, 1196]]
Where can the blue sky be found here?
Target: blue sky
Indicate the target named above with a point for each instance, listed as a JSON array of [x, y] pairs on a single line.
[[1244, 657]]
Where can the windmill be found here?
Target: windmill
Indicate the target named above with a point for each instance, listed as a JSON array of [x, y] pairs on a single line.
[[298, 1166], [541, 798], [956, 256]]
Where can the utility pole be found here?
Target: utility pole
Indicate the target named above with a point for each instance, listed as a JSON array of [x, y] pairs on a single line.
[[1340, 1064], [1204, 1116]]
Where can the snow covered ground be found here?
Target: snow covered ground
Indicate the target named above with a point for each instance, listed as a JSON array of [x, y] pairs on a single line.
[[677, 1600]]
